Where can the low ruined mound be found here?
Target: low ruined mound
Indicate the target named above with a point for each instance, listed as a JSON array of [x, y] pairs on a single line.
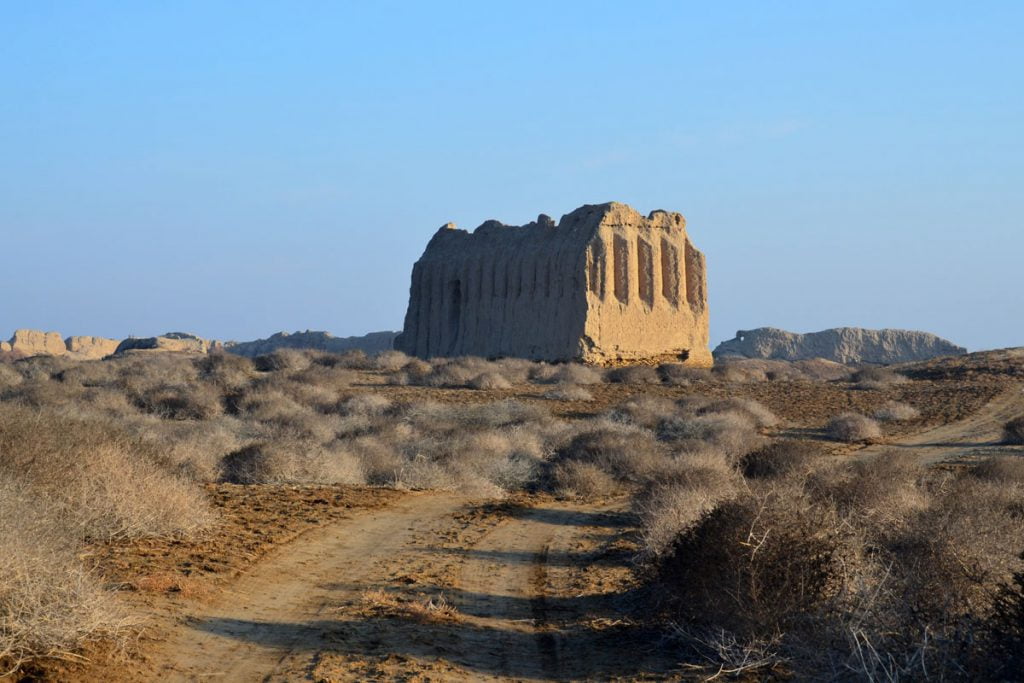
[[25, 343], [179, 342], [90, 348], [849, 345], [373, 342], [604, 284]]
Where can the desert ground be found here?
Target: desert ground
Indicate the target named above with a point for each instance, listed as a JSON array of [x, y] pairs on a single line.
[[337, 517]]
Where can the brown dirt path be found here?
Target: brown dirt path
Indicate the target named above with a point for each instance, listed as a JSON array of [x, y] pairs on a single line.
[[435, 587], [270, 614], [977, 436]]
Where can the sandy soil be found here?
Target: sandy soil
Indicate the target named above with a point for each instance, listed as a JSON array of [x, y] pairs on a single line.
[[977, 436]]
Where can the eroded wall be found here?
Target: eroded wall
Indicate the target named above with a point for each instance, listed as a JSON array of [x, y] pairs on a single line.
[[499, 291], [655, 304], [605, 284]]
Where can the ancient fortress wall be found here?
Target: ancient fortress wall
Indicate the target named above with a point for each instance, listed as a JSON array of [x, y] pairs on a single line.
[[605, 284], [646, 290]]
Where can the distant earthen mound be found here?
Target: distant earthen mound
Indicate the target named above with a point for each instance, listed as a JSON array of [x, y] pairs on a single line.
[[180, 342], [319, 341], [26, 343], [849, 345], [604, 284], [90, 348]]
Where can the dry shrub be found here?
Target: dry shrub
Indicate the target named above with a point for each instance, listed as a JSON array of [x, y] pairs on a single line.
[[678, 500], [583, 480], [740, 371], [287, 418], [821, 370], [291, 360], [634, 374], [575, 373], [569, 392], [323, 377], [43, 367], [94, 477], [452, 375], [1013, 431], [644, 410], [754, 411], [1004, 630], [489, 381], [629, 454], [757, 565], [353, 359], [227, 371], [367, 403], [49, 603], [136, 372], [390, 361], [515, 370], [1008, 469], [43, 393], [877, 378], [894, 411], [732, 434], [9, 377], [780, 459], [182, 401], [853, 428], [289, 462], [884, 491], [679, 374]]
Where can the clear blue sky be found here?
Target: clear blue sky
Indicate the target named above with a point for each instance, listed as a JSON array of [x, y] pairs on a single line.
[[234, 169]]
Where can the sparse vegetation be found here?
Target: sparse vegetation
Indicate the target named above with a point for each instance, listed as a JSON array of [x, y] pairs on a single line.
[[1013, 431], [853, 428], [757, 544], [894, 411]]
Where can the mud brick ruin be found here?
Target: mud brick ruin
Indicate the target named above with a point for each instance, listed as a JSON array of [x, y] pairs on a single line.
[[603, 285]]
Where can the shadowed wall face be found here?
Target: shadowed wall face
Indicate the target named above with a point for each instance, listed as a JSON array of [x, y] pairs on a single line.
[[542, 291]]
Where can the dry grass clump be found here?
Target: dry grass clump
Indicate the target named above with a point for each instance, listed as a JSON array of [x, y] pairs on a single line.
[[675, 502], [779, 555], [679, 374], [489, 381], [182, 401], [390, 361], [732, 434], [569, 392], [779, 459], [631, 456], [1005, 468], [282, 359], [644, 410], [226, 371], [1013, 431], [282, 462], [49, 602], [582, 480], [866, 570], [894, 411], [94, 477], [9, 377], [853, 428], [740, 371], [634, 374], [575, 373], [874, 378]]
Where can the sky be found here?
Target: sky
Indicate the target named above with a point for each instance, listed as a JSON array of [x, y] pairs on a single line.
[[235, 169]]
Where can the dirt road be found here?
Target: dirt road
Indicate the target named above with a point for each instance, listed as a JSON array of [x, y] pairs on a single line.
[[980, 435], [435, 586]]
